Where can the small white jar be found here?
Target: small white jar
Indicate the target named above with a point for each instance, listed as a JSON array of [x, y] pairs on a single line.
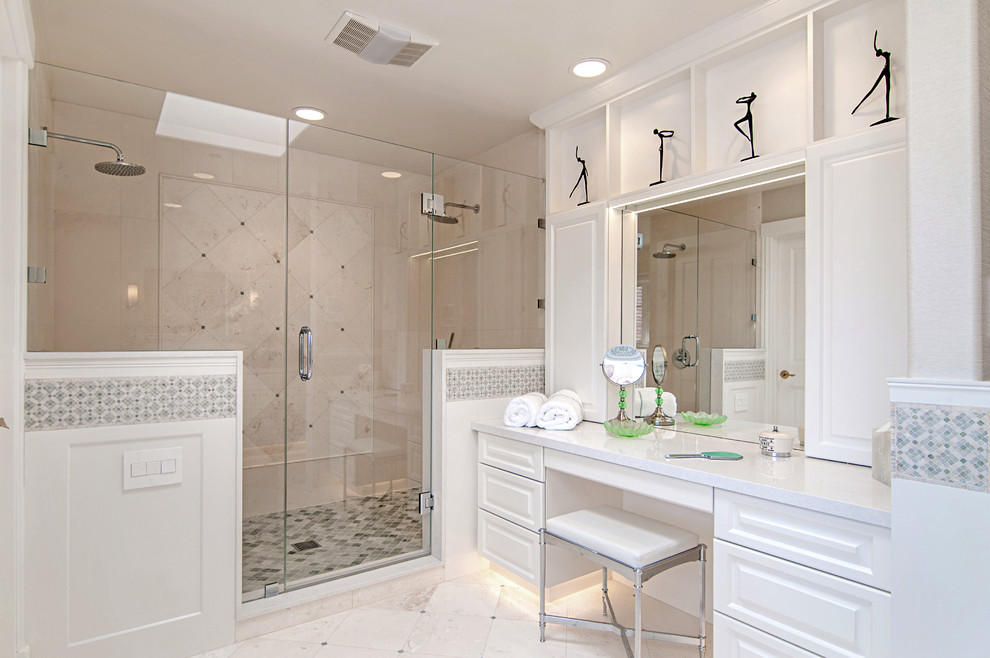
[[776, 444]]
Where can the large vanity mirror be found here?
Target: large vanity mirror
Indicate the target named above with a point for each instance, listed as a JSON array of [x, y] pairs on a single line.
[[719, 284]]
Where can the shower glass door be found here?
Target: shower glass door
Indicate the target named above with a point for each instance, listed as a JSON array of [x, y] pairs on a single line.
[[667, 290], [696, 290], [357, 323]]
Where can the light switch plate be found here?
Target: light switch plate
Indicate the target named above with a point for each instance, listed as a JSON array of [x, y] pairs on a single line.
[[741, 402], [149, 464]]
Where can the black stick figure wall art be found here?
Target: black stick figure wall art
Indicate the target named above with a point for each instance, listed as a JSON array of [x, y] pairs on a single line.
[[662, 134], [748, 120], [583, 176], [885, 77]]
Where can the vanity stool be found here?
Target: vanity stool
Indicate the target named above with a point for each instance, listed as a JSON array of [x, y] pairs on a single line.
[[629, 544]]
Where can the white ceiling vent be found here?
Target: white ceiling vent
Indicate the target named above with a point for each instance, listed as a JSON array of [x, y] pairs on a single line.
[[377, 42]]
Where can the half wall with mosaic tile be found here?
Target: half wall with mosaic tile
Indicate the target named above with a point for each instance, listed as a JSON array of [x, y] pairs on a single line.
[[940, 433]]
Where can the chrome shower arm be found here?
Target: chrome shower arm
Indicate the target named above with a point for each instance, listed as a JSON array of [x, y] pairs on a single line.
[[476, 207], [40, 138]]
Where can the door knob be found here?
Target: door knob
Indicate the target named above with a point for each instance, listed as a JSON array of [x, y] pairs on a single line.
[[784, 374]]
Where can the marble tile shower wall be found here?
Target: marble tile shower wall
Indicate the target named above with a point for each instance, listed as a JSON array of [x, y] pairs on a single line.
[[224, 284]]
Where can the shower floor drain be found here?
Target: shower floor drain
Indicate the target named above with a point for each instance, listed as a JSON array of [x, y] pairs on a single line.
[[305, 545]]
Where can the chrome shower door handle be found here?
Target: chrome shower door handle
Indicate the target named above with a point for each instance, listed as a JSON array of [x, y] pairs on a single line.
[[305, 353], [697, 349], [682, 358]]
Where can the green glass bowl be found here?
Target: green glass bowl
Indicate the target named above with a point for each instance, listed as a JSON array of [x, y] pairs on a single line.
[[628, 429], [703, 418]]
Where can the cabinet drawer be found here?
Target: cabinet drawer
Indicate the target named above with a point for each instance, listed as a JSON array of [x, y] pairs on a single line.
[[851, 549], [509, 546], [511, 496], [824, 614], [737, 640], [515, 456]]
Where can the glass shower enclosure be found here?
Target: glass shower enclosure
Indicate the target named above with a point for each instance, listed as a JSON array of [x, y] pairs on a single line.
[[308, 250], [696, 289]]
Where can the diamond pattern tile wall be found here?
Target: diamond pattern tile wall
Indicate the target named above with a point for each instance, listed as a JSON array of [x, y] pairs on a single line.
[[224, 280], [942, 445]]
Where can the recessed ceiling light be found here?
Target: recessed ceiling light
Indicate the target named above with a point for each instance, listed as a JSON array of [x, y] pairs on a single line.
[[203, 176], [172, 205], [310, 113], [589, 68], [391, 174]]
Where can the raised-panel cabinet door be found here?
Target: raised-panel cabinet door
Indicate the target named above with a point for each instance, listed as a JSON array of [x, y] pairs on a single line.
[[857, 289], [582, 302]]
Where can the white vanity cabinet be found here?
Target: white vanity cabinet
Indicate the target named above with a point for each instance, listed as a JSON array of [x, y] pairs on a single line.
[[510, 504], [796, 582]]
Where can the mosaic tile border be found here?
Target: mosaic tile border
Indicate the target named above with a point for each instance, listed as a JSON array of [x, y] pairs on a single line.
[[941, 444], [491, 382], [52, 404], [751, 370]]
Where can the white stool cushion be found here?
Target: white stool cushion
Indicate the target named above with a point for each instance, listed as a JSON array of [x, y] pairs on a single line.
[[623, 536]]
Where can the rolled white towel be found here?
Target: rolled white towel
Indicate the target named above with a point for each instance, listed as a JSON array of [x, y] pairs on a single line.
[[644, 402], [562, 411], [668, 404], [521, 411]]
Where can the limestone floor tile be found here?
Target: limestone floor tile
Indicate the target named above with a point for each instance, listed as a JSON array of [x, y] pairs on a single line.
[[458, 636], [371, 629], [316, 631], [516, 602], [589, 643], [332, 651], [510, 638], [266, 648], [222, 652], [464, 599], [412, 601]]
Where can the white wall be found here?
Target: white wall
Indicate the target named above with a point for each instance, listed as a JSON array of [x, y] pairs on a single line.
[[16, 56], [939, 532]]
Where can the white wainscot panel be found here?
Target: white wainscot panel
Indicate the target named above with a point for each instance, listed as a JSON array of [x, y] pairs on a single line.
[[117, 571]]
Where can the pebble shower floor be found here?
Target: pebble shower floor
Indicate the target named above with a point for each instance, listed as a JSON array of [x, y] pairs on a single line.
[[349, 533]]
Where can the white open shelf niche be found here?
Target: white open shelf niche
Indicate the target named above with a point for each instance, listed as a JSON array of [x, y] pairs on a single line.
[[809, 63]]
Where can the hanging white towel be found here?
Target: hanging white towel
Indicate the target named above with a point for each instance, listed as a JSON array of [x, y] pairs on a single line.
[[521, 411], [563, 411]]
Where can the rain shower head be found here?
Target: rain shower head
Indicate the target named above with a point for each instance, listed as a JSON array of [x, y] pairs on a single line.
[[443, 219], [666, 253], [119, 168]]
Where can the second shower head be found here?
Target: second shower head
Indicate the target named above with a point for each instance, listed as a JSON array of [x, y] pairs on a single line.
[[666, 253]]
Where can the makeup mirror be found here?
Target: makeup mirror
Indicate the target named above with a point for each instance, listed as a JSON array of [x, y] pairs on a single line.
[[623, 365], [659, 364]]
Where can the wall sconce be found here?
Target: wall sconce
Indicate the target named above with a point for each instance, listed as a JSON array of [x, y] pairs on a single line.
[[132, 295]]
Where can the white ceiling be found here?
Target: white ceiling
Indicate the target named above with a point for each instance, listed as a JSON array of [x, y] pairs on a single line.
[[498, 60]]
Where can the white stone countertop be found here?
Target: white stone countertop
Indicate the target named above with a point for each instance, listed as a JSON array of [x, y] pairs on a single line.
[[831, 487]]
